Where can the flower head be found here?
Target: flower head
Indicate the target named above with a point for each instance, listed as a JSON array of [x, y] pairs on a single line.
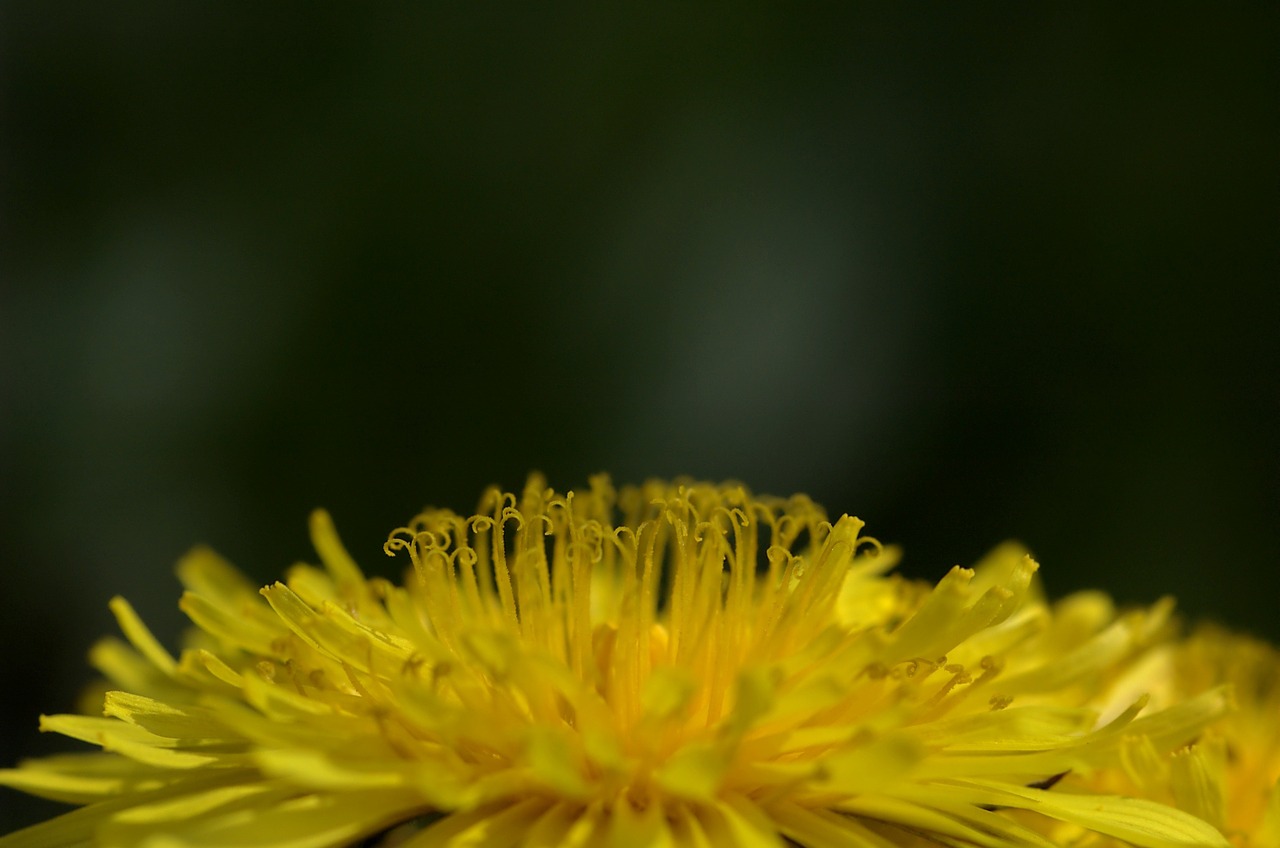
[[1230, 774], [675, 664]]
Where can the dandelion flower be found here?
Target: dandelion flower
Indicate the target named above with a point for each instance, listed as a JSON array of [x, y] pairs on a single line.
[[675, 664], [1228, 776]]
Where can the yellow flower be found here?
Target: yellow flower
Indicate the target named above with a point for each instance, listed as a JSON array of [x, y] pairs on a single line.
[[664, 665], [1228, 776]]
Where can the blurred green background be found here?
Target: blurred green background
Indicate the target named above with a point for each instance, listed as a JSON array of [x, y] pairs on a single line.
[[970, 273]]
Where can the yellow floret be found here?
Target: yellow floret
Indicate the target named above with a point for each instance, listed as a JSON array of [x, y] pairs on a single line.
[[674, 664]]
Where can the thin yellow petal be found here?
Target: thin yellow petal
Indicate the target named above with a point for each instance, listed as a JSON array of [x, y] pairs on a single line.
[[205, 573], [1143, 823], [871, 767], [78, 826], [552, 828], [647, 828], [161, 719], [140, 636], [75, 788], [314, 821], [231, 628], [823, 829], [694, 772], [332, 552], [494, 826], [1268, 835], [745, 825], [1198, 776]]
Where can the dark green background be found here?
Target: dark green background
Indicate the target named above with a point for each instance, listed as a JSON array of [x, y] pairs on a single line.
[[968, 272]]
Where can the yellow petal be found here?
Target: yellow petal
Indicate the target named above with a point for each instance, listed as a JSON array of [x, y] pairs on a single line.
[[557, 761], [693, 772], [314, 821], [124, 666], [332, 552], [824, 828], [205, 573], [1268, 833], [1143, 823], [742, 824], [551, 830], [871, 767], [161, 719], [77, 827], [645, 828], [1198, 776], [138, 634], [76, 788], [230, 626], [493, 826]]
